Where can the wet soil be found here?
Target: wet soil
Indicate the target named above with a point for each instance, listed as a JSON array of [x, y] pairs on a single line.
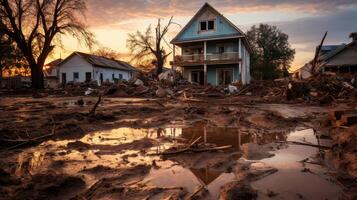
[[118, 153]]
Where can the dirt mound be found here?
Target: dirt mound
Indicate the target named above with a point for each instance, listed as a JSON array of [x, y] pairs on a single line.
[[118, 187], [237, 190], [49, 186]]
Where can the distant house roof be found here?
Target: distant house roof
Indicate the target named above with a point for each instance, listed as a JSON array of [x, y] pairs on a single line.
[[333, 50], [54, 62], [51, 66], [99, 61]]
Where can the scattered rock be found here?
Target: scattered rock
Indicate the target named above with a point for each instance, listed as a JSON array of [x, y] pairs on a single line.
[[138, 82], [160, 92]]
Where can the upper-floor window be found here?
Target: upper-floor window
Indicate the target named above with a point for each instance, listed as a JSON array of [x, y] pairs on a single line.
[[207, 25]]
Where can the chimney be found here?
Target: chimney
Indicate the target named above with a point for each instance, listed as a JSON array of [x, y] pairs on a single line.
[[353, 36]]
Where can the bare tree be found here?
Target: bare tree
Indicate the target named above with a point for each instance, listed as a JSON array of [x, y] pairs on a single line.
[[35, 26], [108, 53], [143, 45]]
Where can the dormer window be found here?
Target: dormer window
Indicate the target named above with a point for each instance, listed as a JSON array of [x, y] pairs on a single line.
[[207, 25]]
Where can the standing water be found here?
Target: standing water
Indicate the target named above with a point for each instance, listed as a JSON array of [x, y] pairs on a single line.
[[298, 170]]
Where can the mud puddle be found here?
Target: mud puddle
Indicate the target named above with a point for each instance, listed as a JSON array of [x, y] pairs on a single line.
[[300, 173], [105, 154]]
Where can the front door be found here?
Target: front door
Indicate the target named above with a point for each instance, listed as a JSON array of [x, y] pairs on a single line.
[[101, 78], [88, 76], [64, 79], [197, 77]]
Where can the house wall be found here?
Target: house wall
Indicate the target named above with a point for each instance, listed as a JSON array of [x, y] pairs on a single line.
[[54, 72], [107, 74], [230, 46], [221, 27], [75, 64], [245, 65], [212, 72], [78, 64], [212, 46]]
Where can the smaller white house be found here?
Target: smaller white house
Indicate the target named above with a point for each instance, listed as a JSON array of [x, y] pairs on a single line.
[[82, 67]]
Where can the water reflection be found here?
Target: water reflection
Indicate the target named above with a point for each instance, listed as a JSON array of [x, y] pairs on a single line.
[[123, 147]]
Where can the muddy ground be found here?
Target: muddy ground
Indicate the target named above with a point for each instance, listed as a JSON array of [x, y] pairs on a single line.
[[51, 148]]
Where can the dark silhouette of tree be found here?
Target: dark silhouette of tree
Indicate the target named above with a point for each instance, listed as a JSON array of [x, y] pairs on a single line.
[[144, 45], [35, 27], [10, 56], [272, 52]]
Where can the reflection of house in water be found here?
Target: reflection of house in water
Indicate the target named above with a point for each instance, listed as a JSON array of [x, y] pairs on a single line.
[[205, 175], [222, 136]]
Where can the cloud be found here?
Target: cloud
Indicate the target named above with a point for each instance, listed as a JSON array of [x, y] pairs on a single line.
[[106, 12], [306, 33]]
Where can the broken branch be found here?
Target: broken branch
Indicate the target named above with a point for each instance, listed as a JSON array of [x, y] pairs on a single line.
[[92, 112]]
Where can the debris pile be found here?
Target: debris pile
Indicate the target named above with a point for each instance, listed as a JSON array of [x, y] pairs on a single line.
[[344, 134], [323, 89], [326, 89]]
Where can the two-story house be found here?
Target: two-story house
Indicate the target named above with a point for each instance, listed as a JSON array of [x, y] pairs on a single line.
[[213, 50]]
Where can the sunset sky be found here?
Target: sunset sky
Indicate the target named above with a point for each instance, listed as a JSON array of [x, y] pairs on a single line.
[[305, 23]]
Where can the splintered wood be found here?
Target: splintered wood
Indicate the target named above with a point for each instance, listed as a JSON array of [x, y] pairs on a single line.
[[340, 118]]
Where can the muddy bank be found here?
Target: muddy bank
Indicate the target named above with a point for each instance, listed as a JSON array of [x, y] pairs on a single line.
[[119, 154]]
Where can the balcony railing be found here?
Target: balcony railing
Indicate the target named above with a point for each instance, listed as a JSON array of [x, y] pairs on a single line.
[[211, 58]]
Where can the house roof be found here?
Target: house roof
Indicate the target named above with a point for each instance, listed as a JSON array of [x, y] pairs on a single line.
[[54, 62], [336, 50], [99, 61], [204, 7]]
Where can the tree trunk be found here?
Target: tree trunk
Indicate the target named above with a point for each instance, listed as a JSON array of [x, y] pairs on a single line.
[[159, 67], [37, 77]]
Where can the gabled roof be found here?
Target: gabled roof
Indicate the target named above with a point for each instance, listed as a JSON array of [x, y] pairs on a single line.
[[334, 52], [99, 61], [54, 62], [201, 10]]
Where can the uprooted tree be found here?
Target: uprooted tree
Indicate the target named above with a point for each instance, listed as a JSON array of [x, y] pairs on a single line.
[[272, 52], [35, 27], [144, 45]]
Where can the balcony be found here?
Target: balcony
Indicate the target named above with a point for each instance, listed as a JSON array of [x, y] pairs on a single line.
[[211, 58]]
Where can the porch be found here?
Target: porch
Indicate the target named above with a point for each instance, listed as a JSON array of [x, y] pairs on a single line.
[[204, 61], [216, 74]]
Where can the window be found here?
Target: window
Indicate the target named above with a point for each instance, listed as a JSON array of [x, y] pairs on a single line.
[[221, 49], [207, 25], [211, 25], [120, 76], [75, 75], [113, 77], [203, 26], [225, 76], [197, 77]]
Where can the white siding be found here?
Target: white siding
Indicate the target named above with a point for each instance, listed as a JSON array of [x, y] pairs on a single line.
[[108, 74], [245, 73], [78, 64], [75, 64]]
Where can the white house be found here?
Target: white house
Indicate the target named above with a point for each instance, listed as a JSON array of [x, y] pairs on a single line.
[[51, 73], [82, 67]]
